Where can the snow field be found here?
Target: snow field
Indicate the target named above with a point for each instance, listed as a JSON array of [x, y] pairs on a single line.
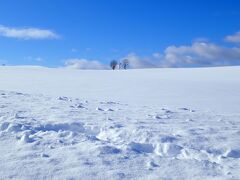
[[51, 137]]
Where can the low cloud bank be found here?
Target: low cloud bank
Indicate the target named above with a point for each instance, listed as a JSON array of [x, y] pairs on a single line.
[[85, 64], [198, 54]]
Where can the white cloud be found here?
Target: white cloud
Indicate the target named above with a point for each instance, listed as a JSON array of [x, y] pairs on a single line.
[[74, 50], [39, 59], [196, 55], [27, 33], [137, 62], [85, 64], [235, 38], [157, 55], [201, 54]]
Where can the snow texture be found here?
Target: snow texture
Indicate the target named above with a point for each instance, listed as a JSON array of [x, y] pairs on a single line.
[[46, 136]]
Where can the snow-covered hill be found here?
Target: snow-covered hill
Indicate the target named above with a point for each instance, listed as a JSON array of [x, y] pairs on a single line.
[[134, 124], [205, 88]]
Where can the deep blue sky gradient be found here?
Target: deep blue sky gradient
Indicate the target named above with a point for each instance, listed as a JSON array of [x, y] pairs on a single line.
[[107, 29]]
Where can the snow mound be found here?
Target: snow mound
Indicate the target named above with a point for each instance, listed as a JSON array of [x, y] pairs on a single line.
[[168, 149]]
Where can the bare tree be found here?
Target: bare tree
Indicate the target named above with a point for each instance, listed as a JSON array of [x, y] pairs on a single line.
[[120, 65], [125, 63], [113, 64]]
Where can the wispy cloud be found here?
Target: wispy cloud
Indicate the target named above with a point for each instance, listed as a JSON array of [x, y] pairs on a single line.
[[33, 59], [73, 50], [84, 64], [27, 33], [235, 38]]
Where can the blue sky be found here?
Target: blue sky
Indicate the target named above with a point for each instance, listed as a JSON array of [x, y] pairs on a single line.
[[148, 32]]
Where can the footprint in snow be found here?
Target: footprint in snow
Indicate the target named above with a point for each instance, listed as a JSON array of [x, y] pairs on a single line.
[[44, 155], [109, 109], [168, 139], [109, 119], [151, 165], [109, 102], [99, 109], [186, 109], [189, 120], [64, 98], [165, 116], [79, 106], [117, 126], [109, 150], [17, 93], [167, 111]]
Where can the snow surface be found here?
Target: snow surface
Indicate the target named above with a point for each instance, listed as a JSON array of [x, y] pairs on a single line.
[[134, 124]]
